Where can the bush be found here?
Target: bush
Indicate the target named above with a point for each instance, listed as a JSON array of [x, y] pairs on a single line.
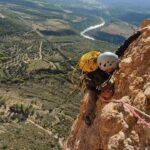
[[21, 109]]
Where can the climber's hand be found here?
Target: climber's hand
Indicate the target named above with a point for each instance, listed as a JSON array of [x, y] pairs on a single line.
[[107, 94]]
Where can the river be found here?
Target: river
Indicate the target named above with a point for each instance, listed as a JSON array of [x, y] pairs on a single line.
[[83, 33]]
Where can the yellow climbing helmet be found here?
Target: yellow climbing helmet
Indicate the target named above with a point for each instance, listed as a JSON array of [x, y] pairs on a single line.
[[88, 62]]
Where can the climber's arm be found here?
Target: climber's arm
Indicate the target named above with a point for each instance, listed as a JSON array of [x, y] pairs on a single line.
[[126, 44]]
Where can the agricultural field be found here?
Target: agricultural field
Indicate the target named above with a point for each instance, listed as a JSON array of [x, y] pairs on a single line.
[[40, 45], [120, 28]]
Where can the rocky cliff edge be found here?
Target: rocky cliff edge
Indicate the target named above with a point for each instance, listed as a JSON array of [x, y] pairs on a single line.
[[115, 127]]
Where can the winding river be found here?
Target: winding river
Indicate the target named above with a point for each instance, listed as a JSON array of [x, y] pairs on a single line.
[[83, 33]]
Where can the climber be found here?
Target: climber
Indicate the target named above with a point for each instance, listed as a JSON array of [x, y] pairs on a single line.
[[97, 69]]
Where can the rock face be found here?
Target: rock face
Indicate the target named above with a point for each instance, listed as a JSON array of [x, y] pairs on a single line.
[[115, 127]]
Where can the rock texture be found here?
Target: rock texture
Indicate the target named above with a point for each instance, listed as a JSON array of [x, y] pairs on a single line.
[[115, 128]]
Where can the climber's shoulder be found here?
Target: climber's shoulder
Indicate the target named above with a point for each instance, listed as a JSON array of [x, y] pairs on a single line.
[[98, 76]]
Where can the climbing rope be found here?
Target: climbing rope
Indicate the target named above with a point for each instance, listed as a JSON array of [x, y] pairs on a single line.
[[134, 111], [75, 70]]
